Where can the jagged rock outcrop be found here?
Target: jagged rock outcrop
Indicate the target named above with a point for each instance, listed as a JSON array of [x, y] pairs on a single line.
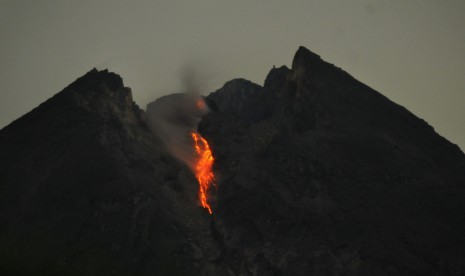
[[317, 174], [335, 180]]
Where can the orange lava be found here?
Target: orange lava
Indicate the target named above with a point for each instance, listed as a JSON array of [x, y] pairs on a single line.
[[200, 104], [203, 168]]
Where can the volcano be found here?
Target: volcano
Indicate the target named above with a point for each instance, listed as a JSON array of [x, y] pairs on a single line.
[[315, 174]]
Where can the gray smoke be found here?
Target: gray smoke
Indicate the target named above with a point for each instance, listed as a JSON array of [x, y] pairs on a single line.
[[174, 117], [194, 76]]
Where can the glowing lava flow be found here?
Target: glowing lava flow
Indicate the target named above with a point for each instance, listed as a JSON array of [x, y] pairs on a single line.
[[203, 168]]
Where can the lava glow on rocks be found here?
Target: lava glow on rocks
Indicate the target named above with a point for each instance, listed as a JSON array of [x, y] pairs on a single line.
[[203, 168]]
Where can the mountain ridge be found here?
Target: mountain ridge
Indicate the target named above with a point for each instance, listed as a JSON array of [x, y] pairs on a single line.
[[337, 155], [317, 174]]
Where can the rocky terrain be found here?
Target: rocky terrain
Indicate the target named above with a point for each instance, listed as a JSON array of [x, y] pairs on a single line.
[[317, 174]]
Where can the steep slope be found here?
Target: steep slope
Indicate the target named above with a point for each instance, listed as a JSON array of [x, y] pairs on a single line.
[[87, 190], [322, 175], [316, 173]]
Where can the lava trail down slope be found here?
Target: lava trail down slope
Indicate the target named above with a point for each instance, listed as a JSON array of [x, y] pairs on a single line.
[[316, 174]]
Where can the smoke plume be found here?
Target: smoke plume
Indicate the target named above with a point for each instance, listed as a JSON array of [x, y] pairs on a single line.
[[174, 117]]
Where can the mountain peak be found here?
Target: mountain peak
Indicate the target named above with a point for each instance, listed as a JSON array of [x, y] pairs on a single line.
[[95, 77], [317, 174], [102, 92], [97, 93], [232, 96], [303, 57]]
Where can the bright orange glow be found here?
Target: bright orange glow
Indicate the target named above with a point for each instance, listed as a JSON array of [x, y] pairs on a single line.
[[200, 104], [203, 168]]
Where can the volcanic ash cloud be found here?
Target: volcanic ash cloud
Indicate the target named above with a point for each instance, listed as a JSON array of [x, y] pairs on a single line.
[[173, 118]]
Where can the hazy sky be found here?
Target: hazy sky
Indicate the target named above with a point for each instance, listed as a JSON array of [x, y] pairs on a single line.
[[411, 51]]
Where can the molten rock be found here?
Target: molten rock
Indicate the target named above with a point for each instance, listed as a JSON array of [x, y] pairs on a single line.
[[317, 174]]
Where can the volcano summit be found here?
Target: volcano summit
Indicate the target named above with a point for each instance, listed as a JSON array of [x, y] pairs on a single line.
[[316, 174]]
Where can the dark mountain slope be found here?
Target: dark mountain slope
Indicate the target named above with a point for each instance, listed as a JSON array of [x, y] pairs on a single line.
[[87, 190], [335, 180], [317, 174]]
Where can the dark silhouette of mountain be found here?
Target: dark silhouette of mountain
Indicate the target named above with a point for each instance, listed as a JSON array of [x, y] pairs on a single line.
[[317, 174], [86, 189]]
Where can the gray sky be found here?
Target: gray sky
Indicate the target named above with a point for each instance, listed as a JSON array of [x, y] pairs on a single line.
[[411, 51]]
